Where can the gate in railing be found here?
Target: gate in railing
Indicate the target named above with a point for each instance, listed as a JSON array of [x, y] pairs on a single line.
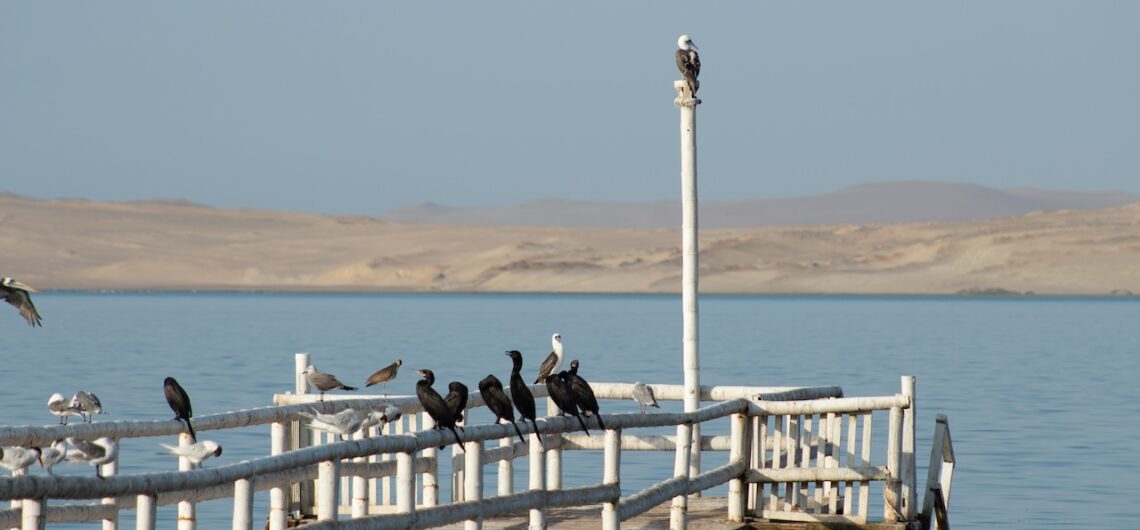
[[787, 460]]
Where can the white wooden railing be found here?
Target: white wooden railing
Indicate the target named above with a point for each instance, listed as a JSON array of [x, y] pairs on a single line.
[[779, 466]]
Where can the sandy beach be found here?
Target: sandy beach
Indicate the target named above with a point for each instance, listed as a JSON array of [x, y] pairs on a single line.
[[77, 244]]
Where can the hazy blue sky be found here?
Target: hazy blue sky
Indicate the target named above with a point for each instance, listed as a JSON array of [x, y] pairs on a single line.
[[363, 107]]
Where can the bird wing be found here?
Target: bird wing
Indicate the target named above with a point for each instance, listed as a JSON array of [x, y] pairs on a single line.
[[21, 301], [546, 368]]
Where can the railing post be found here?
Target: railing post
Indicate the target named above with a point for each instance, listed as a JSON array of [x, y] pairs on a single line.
[[612, 475], [506, 480], [359, 484], [111, 469], [909, 471], [553, 452], [145, 512], [32, 514], [406, 483], [243, 504], [741, 445], [690, 265], [891, 489], [431, 476], [328, 489], [678, 515], [278, 501], [187, 516], [303, 491], [537, 481], [473, 480]]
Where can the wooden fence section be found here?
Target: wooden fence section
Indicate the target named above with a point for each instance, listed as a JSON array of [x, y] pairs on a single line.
[[787, 460]]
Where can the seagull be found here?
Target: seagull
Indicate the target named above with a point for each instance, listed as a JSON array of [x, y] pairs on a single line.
[[385, 374], [558, 386], [179, 402], [456, 398], [323, 381], [435, 406], [52, 455], [195, 452], [583, 394], [382, 416], [96, 453], [60, 406], [18, 459], [16, 292], [521, 394], [643, 395], [689, 62], [498, 402], [87, 404], [553, 361], [342, 423]]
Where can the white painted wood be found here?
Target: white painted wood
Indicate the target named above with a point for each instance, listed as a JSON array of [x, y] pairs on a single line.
[[187, 512], [110, 469], [505, 480], [939, 476], [473, 480], [405, 483], [359, 486], [909, 472], [145, 512], [891, 490], [243, 505], [32, 514], [849, 461], [328, 490], [865, 460], [302, 437], [611, 474], [679, 512], [430, 493], [553, 452], [278, 500], [737, 487], [690, 267], [537, 482]]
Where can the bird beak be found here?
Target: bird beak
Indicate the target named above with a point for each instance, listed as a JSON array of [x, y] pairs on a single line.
[[694, 46], [21, 285]]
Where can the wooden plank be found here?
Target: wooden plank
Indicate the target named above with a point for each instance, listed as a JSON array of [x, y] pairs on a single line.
[[849, 461]]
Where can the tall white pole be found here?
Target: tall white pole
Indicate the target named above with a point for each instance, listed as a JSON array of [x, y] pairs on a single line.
[[687, 102]]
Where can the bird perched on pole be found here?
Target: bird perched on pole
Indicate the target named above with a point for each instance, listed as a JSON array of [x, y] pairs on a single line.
[[196, 452], [689, 62], [16, 292], [179, 402], [553, 361], [87, 404], [456, 398], [52, 455], [323, 381], [435, 406], [559, 387], [643, 395], [521, 394], [385, 374], [583, 394], [498, 402], [61, 407], [342, 424]]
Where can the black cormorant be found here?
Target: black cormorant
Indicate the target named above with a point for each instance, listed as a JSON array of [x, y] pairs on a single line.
[[434, 404], [456, 398], [583, 394], [559, 387], [498, 402], [179, 402], [520, 393]]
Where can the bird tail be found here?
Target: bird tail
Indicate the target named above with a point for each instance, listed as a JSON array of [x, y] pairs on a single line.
[[519, 432], [457, 438], [346, 387], [600, 422], [583, 423]]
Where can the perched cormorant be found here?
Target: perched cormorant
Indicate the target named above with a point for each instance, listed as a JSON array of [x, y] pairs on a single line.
[[643, 395], [324, 382], [385, 374], [87, 404], [583, 394], [498, 402], [689, 62], [434, 404], [553, 361], [61, 407], [195, 452], [520, 393], [179, 402], [558, 386], [456, 398], [16, 292]]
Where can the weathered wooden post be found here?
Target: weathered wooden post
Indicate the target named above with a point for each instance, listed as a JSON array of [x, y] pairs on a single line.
[[891, 489], [537, 480], [612, 475], [688, 102], [909, 471], [302, 437], [737, 487], [278, 499], [145, 512], [243, 504]]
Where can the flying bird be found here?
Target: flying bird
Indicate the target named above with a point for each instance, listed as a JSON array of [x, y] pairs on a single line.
[[521, 394], [343, 423], [643, 395], [385, 374], [179, 402], [97, 453], [18, 458], [456, 398], [553, 361], [498, 402], [558, 386], [583, 394], [60, 406], [195, 452], [52, 455], [689, 62], [87, 404], [324, 382], [435, 405], [16, 292]]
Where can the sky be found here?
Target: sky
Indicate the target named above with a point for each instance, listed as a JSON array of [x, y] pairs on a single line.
[[357, 107]]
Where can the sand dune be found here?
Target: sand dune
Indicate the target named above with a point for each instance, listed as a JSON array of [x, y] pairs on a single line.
[[73, 244]]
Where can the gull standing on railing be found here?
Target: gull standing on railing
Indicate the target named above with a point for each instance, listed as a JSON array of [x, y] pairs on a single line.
[[60, 406], [52, 455], [96, 453], [342, 423], [87, 404], [18, 458], [643, 395], [323, 381], [384, 375], [195, 452]]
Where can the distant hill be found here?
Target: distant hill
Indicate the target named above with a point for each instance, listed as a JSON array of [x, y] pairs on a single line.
[[889, 202]]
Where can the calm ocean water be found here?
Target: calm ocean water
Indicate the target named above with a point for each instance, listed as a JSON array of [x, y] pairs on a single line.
[[1040, 392]]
